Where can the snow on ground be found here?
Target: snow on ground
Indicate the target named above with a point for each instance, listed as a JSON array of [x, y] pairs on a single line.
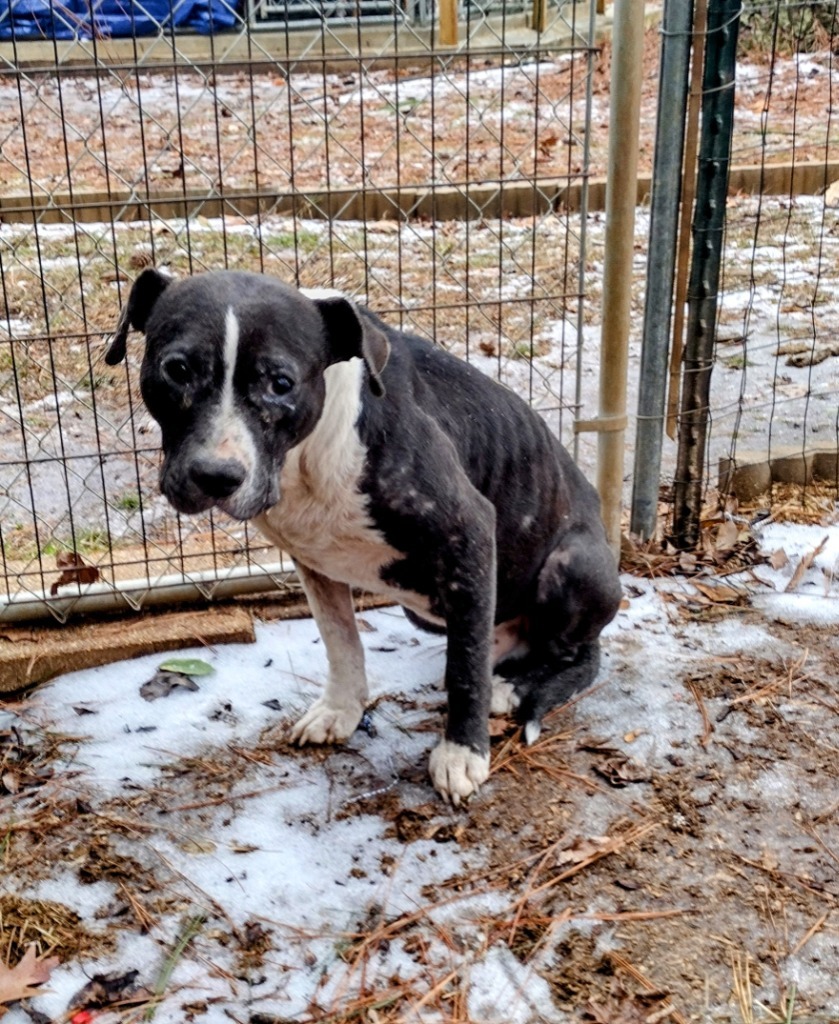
[[293, 851]]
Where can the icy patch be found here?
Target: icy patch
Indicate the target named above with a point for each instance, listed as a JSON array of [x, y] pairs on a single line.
[[504, 991], [800, 609]]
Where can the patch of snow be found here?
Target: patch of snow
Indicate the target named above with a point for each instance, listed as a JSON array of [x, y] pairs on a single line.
[[504, 991], [800, 609]]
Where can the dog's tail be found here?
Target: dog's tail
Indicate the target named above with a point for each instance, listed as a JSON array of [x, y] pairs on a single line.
[[548, 686]]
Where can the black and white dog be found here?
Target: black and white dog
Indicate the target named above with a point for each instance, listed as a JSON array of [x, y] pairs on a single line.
[[377, 460]]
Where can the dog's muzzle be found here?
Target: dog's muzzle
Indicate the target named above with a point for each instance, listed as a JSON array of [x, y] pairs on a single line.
[[217, 478], [202, 483]]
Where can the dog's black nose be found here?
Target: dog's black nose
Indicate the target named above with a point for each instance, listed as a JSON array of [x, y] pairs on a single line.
[[218, 478]]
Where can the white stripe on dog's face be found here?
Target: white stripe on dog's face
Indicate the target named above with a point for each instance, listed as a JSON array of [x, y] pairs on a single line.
[[231, 351], [229, 436]]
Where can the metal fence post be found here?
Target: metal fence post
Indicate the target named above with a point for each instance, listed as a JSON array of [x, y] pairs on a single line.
[[621, 199], [708, 229], [664, 216]]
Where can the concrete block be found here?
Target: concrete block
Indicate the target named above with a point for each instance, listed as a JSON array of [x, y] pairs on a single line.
[[753, 472]]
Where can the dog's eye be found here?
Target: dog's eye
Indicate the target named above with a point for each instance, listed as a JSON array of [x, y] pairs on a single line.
[[177, 369], [280, 385]]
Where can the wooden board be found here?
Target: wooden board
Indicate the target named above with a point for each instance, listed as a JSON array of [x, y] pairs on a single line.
[[33, 655]]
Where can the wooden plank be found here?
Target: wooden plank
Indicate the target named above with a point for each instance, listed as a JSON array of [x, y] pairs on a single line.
[[448, 23], [539, 16], [442, 202], [30, 655]]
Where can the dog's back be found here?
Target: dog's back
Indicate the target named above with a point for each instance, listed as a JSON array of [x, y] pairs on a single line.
[[505, 448]]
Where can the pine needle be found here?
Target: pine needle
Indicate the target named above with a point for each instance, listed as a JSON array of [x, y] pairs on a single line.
[[190, 930]]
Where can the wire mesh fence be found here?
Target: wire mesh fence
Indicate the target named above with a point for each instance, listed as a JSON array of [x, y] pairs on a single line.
[[773, 399], [331, 144], [758, 396], [448, 186]]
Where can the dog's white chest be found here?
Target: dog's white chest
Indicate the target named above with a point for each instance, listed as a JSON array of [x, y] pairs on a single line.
[[329, 531], [321, 518]]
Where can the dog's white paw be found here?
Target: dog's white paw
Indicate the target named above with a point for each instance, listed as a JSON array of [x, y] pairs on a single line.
[[532, 732], [325, 723], [504, 699], [456, 771]]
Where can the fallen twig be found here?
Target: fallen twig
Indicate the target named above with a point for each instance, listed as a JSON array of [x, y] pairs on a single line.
[[618, 843], [227, 798], [786, 876], [637, 915], [802, 942], [805, 563], [707, 724], [624, 965]]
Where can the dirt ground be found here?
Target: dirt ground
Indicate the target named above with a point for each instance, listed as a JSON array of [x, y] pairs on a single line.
[[666, 852], [471, 121]]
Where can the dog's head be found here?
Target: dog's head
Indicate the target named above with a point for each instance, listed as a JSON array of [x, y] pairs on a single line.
[[234, 374]]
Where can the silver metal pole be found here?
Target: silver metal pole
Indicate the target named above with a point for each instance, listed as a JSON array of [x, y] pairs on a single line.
[[664, 218], [132, 595], [581, 306]]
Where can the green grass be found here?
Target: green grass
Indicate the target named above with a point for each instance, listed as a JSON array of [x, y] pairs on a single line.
[[128, 502], [92, 541], [304, 241]]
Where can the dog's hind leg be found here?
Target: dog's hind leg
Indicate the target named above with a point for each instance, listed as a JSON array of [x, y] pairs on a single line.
[[578, 593], [547, 686]]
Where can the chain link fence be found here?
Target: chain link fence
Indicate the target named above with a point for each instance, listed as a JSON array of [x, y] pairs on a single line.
[[331, 144], [752, 403], [774, 400]]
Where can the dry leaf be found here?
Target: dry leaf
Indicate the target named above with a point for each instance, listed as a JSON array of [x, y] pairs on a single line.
[[727, 536], [10, 782], [21, 981], [414, 823], [499, 726], [196, 846], [804, 565], [720, 594], [74, 569], [547, 144], [104, 990], [778, 559], [162, 684], [141, 258], [582, 849], [620, 771]]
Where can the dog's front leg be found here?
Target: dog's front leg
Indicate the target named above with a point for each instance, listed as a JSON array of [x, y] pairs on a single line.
[[334, 716], [459, 764]]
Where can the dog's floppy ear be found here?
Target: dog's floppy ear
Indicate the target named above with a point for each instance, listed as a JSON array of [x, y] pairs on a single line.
[[147, 289], [352, 335]]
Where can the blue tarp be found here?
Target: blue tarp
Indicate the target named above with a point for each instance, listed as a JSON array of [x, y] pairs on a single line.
[[111, 19]]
